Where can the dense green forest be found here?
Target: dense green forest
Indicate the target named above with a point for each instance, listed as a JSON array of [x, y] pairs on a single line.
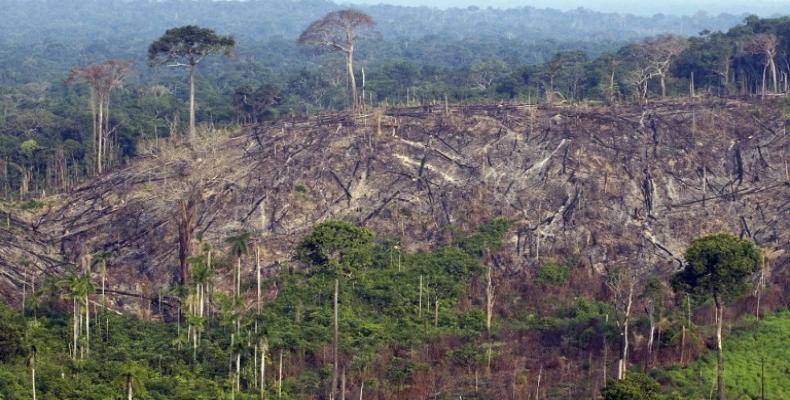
[[375, 321], [413, 56]]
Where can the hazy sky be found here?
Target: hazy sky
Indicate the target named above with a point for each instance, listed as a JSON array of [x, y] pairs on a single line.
[[640, 7]]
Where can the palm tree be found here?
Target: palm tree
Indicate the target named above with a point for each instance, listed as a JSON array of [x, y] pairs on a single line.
[[79, 288], [31, 362], [239, 248], [131, 374]]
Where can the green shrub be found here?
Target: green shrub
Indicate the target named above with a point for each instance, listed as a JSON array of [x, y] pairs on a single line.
[[635, 386], [552, 274]]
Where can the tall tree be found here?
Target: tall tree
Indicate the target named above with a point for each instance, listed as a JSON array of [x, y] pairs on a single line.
[[102, 79], [622, 283], [661, 52], [337, 31], [239, 248], [188, 46], [765, 44], [718, 267]]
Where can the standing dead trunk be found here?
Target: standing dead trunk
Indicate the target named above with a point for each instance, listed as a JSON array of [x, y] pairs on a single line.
[[87, 327], [258, 277], [33, 372], [238, 276], [343, 384], [100, 143], [623, 363], [650, 311], [75, 329], [280, 376], [263, 371], [361, 388], [352, 80], [238, 371], [192, 71], [489, 300], [774, 80], [682, 343], [760, 284], [333, 390], [719, 347], [605, 353]]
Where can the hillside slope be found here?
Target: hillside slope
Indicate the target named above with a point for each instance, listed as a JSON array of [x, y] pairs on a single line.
[[613, 185]]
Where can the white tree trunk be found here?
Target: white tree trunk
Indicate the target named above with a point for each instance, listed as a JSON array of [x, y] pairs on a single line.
[[351, 79], [719, 348], [192, 132]]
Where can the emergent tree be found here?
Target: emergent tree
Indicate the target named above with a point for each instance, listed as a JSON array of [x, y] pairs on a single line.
[[718, 267], [186, 47], [337, 31]]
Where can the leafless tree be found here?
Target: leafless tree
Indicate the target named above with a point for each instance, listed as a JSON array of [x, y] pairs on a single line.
[[102, 79], [765, 44], [661, 51], [337, 32], [622, 282]]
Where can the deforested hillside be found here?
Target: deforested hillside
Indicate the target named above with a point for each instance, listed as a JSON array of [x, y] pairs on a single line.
[[625, 185], [489, 251]]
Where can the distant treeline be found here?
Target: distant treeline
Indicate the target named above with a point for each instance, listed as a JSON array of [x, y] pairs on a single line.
[[414, 56]]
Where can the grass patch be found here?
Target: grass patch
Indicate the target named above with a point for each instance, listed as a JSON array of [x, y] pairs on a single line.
[[746, 352]]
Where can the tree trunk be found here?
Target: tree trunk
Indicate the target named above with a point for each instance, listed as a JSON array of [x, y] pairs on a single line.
[[333, 390], [489, 300], [258, 276], [263, 372], [238, 371], [650, 337], [764, 271], [103, 279], [605, 354], [765, 73], [351, 79], [719, 348], [128, 387], [238, 276], [192, 133], [100, 143], [280, 376], [75, 332], [87, 327], [33, 374], [361, 388], [662, 79], [343, 384], [623, 363], [682, 344], [774, 79]]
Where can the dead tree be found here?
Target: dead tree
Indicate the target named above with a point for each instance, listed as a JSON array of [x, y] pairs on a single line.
[[336, 32], [661, 52], [765, 44], [621, 283], [102, 79]]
